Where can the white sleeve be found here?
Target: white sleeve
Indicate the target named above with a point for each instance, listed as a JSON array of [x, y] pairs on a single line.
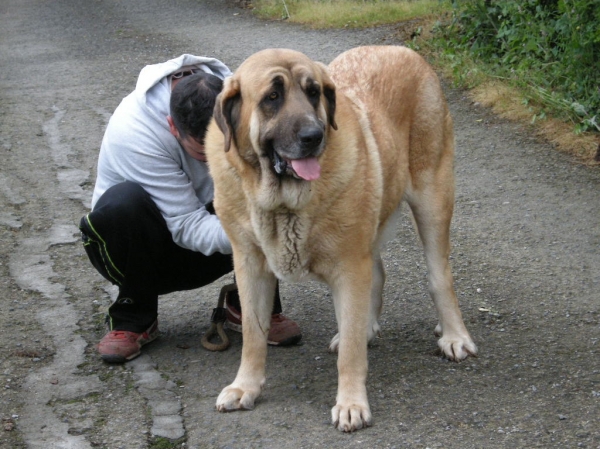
[[138, 153]]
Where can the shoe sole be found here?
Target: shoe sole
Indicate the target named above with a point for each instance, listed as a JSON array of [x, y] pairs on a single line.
[[234, 327], [287, 342], [117, 358]]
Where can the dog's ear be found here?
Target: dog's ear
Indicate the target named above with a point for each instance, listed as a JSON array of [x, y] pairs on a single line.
[[227, 109], [329, 93]]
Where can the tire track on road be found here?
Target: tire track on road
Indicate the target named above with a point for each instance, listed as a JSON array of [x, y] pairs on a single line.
[[31, 267]]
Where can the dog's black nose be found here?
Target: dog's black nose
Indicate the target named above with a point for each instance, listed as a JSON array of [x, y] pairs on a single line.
[[310, 136]]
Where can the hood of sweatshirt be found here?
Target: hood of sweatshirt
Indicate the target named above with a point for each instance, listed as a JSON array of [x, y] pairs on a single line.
[[153, 88]]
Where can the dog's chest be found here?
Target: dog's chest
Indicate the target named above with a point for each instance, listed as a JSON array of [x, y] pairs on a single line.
[[283, 237]]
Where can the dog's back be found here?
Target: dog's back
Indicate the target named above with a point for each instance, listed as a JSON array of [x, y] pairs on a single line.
[[400, 104]]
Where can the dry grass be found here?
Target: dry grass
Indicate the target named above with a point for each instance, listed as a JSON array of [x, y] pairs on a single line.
[[346, 13], [509, 103], [505, 99]]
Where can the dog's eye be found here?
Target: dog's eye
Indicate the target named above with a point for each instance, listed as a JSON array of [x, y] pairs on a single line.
[[273, 96], [313, 92]]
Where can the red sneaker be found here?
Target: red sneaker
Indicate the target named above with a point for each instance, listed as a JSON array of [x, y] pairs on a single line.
[[284, 332], [121, 346]]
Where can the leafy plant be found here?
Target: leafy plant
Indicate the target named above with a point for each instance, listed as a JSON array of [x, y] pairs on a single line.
[[549, 48]]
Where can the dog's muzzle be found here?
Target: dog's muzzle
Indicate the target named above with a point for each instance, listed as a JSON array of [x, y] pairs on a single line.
[[304, 164]]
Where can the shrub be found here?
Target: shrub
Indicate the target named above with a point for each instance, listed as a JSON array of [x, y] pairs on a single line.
[[549, 47]]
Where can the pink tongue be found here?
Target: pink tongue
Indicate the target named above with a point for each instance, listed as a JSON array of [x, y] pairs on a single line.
[[307, 168]]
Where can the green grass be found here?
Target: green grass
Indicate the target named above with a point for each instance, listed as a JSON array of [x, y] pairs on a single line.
[[165, 443]]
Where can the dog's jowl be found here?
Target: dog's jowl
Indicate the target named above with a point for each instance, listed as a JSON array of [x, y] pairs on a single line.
[[306, 158]]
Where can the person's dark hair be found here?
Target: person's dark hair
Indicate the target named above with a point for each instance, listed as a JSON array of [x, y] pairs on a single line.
[[192, 103]]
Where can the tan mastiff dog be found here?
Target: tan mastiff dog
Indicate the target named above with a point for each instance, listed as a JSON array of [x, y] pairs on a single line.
[[311, 164]]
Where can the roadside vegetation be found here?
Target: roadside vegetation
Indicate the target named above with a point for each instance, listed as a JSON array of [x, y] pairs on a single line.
[[536, 61]]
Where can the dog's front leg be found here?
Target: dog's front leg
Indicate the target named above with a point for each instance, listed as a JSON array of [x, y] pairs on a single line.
[[257, 291], [352, 294]]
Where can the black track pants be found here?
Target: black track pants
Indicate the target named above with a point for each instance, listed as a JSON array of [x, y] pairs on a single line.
[[128, 242]]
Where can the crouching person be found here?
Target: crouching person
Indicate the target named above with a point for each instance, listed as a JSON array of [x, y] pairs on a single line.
[[152, 229]]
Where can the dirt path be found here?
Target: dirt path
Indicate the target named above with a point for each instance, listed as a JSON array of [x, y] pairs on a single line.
[[526, 258]]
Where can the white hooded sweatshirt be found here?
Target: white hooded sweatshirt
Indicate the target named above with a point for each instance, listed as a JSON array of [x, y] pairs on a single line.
[[139, 147]]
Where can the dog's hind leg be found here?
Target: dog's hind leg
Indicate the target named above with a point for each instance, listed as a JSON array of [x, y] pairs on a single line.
[[374, 330], [432, 206], [376, 297]]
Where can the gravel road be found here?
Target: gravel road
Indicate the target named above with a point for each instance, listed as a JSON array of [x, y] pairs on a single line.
[[526, 258]]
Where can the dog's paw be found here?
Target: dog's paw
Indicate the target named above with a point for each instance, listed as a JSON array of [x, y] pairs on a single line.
[[335, 343], [457, 347], [350, 418], [235, 398], [374, 331]]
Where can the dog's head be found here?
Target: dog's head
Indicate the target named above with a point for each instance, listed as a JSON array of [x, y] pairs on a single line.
[[277, 107]]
